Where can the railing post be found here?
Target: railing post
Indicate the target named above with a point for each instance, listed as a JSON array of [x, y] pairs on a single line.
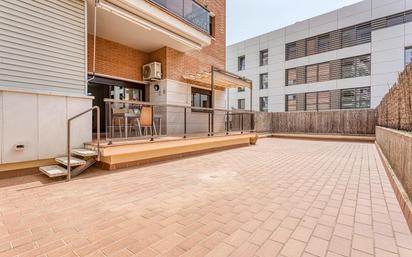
[[110, 129], [241, 125], [213, 122], [152, 130], [69, 175], [98, 132], [227, 123], [209, 131], [185, 122]]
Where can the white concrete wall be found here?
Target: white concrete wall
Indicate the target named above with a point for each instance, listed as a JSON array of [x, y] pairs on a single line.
[[386, 49], [177, 93], [39, 122]]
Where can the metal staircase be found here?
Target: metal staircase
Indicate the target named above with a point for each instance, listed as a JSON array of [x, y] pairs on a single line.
[[77, 160]]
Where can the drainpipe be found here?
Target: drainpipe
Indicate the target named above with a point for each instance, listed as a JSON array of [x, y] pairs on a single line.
[[94, 41]]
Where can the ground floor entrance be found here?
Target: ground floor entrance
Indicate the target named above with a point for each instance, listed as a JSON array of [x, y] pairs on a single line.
[[102, 88]]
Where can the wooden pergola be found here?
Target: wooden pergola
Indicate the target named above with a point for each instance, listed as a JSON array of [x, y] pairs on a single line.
[[221, 80]]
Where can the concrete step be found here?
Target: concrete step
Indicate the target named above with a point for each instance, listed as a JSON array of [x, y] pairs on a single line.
[[73, 161], [84, 152], [53, 171]]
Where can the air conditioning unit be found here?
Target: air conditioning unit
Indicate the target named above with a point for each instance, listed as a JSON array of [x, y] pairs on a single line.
[[152, 71]]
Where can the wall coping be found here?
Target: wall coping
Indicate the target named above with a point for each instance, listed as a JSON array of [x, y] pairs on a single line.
[[402, 132]]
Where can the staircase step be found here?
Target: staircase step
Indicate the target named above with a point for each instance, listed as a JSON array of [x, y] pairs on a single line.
[[53, 171], [73, 161], [84, 152]]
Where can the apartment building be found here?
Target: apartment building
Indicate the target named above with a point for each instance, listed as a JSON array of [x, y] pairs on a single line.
[[345, 59], [58, 58]]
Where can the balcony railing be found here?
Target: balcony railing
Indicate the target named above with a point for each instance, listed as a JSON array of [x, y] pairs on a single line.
[[189, 10], [130, 120]]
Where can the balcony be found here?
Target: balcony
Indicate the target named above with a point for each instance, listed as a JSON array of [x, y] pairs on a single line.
[[189, 10], [148, 25]]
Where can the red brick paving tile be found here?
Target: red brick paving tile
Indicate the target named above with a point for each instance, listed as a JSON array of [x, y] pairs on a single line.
[[317, 246], [245, 250], [269, 248], [293, 248], [362, 243], [283, 192]]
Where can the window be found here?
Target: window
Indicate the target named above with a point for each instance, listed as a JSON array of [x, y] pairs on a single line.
[[311, 73], [212, 22], [291, 103], [311, 46], [264, 81], [408, 55], [241, 63], [324, 43], [263, 104], [291, 77], [324, 71], [356, 66], [240, 89], [408, 16], [201, 98], [264, 57], [363, 66], [395, 20], [363, 33], [291, 51], [311, 101], [241, 104], [324, 100], [355, 98], [349, 37]]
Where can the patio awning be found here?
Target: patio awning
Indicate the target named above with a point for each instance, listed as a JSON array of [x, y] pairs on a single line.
[[218, 78]]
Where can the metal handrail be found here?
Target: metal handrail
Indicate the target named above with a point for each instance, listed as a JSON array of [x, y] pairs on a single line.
[[97, 108], [175, 105]]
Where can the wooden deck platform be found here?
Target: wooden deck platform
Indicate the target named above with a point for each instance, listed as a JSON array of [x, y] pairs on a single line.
[[134, 153]]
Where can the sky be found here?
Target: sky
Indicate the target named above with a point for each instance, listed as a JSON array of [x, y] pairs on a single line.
[[249, 18]]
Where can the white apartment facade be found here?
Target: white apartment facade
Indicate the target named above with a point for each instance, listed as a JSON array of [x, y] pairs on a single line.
[[345, 59]]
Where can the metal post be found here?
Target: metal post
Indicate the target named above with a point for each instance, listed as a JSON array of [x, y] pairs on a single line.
[[213, 99], [227, 122], [152, 130], [98, 132], [241, 125], [185, 121], [209, 132], [251, 95], [69, 175]]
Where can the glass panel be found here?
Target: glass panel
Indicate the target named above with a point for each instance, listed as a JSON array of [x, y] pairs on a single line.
[[240, 89], [291, 103], [348, 68], [363, 34], [349, 37], [241, 104], [395, 20], [188, 10], [264, 57], [291, 51], [264, 82], [324, 71], [263, 104], [363, 66], [311, 46], [291, 77], [324, 100], [355, 98], [241, 63], [324, 43], [408, 56], [311, 101], [311, 74]]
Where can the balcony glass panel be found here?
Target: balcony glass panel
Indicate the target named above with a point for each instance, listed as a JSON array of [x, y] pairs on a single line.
[[189, 10]]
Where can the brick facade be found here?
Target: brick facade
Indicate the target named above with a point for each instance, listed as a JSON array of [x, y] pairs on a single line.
[[121, 61]]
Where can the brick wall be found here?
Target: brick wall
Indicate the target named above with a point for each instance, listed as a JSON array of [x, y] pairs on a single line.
[[121, 61], [395, 109], [116, 60]]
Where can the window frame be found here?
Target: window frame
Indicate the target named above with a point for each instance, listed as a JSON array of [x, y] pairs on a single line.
[[409, 48], [290, 46], [324, 48], [262, 57], [241, 63], [261, 80], [201, 92], [239, 101], [295, 82], [357, 101], [295, 100], [267, 104]]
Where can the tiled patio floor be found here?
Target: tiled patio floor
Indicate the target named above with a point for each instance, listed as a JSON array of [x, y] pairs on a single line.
[[279, 198]]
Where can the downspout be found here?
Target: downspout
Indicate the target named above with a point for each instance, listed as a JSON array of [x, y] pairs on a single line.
[[94, 41]]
